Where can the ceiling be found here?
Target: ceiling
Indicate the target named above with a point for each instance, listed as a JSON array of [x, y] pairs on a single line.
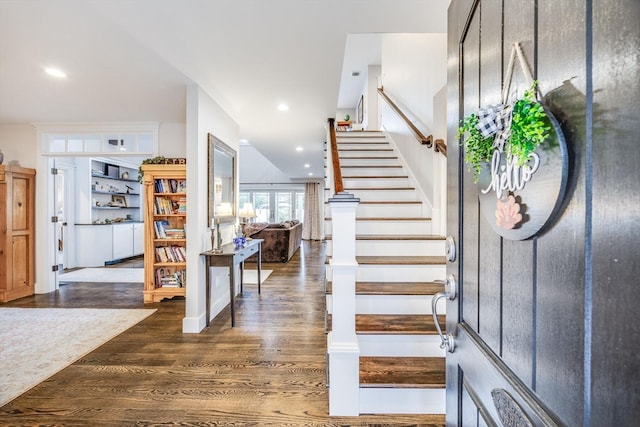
[[130, 61]]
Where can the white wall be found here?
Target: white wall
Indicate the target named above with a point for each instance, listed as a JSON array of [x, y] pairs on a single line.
[[172, 140], [413, 72], [18, 143], [204, 116], [256, 168]]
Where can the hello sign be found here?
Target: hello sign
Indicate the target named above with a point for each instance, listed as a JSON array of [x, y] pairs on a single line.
[[519, 199]]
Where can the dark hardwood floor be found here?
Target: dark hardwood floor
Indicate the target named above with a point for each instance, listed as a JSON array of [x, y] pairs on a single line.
[[268, 370]]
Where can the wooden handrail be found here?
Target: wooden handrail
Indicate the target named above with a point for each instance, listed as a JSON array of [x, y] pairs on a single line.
[[440, 147], [337, 174]]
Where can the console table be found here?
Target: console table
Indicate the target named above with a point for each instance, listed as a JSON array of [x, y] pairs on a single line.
[[230, 257]]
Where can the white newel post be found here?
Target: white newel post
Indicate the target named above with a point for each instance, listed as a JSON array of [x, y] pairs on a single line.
[[342, 343]]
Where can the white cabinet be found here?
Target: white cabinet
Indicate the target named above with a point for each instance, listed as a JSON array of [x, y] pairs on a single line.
[[100, 244], [93, 245], [122, 241], [138, 238]]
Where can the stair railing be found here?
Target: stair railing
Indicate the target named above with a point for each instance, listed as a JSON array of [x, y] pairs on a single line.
[[343, 350], [440, 146], [338, 187]]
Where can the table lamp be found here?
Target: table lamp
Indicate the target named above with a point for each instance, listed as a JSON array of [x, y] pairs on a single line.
[[246, 213]]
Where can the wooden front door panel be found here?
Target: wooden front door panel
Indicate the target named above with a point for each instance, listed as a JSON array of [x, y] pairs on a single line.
[[547, 327]]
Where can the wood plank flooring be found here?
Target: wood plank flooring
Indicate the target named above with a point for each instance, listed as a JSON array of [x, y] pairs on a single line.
[[268, 370]]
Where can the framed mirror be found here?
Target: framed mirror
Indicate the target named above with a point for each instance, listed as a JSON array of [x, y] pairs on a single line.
[[222, 182]]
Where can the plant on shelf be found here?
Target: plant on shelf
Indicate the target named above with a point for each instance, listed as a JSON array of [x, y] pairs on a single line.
[[516, 129], [158, 160], [347, 117]]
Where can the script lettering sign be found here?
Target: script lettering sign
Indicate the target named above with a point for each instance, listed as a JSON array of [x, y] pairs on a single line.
[[518, 201]]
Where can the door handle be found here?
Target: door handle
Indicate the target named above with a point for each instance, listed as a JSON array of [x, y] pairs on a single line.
[[450, 292]]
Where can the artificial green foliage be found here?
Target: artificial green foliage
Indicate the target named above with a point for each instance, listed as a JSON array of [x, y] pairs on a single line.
[[158, 160], [477, 148], [529, 128]]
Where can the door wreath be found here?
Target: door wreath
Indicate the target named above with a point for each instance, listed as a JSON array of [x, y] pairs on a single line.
[[518, 157]]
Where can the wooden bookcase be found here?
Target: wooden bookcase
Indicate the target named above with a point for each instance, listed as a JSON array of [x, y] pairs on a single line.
[[17, 232], [165, 216]]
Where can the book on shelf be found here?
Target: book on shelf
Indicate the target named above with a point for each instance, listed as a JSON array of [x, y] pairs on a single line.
[[172, 253], [160, 227], [170, 185], [174, 233], [167, 278]]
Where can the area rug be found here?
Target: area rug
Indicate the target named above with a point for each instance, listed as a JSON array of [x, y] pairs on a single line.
[[250, 277], [104, 275], [35, 343]]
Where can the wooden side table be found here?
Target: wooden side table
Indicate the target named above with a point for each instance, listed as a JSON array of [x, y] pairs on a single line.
[[230, 257]]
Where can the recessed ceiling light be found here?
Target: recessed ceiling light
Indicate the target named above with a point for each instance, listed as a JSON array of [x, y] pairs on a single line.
[[55, 72], [244, 141], [310, 173], [307, 165], [283, 107], [299, 148]]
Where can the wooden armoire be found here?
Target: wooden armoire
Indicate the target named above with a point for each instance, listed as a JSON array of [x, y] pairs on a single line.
[[17, 232]]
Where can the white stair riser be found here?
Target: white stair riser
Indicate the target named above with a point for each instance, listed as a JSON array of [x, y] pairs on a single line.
[[369, 162], [359, 152], [410, 210], [361, 136], [347, 172], [392, 304], [363, 146], [400, 346], [396, 273], [395, 247], [402, 401], [384, 195], [349, 183], [388, 210], [387, 228]]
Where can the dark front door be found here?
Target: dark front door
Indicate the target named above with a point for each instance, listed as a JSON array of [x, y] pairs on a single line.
[[545, 328]]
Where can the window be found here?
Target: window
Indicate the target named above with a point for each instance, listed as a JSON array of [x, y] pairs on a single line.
[[275, 206]]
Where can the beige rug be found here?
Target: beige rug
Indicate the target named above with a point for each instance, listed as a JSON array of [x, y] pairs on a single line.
[[251, 276], [35, 343], [104, 275]]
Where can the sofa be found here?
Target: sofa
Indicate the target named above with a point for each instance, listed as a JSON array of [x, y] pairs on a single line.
[[281, 241]]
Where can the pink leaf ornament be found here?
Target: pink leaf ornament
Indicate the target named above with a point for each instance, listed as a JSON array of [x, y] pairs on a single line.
[[508, 213]]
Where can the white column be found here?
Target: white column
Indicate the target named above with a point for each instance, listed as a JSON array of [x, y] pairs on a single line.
[[342, 343]]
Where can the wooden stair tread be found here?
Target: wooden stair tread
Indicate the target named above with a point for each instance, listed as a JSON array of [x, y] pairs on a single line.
[[371, 167], [405, 372], [392, 237], [401, 260], [379, 188], [393, 288], [394, 324], [375, 177], [386, 218], [388, 202], [368, 157], [376, 149]]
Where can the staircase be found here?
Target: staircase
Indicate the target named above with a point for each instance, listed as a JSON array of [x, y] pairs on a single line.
[[399, 264]]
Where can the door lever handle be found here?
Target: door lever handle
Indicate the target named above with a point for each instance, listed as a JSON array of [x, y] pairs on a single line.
[[450, 292]]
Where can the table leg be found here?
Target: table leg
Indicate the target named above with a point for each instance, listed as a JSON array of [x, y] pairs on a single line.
[[241, 276], [232, 289], [208, 289], [259, 265]]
